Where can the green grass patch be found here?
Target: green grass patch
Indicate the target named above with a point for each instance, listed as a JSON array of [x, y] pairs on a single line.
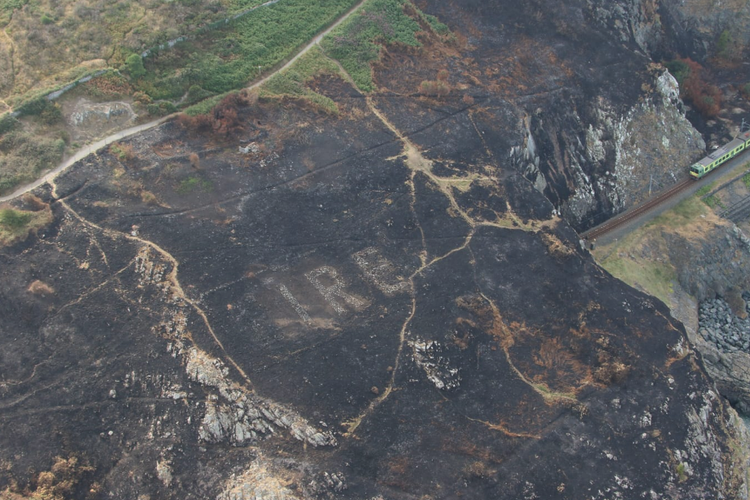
[[193, 183], [15, 225], [437, 26], [8, 123], [13, 220], [227, 58], [684, 213], [655, 278], [291, 82], [625, 259], [705, 190], [713, 201], [354, 42], [746, 180], [204, 107], [23, 157], [6, 9], [196, 94]]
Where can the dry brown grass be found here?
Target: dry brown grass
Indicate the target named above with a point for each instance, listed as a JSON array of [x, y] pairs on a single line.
[[38, 287], [555, 246]]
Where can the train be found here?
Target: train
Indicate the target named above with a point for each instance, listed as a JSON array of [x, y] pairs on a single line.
[[722, 154]]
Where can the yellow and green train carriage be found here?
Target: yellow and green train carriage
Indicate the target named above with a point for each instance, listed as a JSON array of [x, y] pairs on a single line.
[[724, 153]]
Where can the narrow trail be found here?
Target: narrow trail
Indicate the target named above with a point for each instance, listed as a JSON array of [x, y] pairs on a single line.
[[171, 277]]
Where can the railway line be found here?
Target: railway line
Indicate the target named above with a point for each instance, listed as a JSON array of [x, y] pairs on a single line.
[[738, 212], [628, 216]]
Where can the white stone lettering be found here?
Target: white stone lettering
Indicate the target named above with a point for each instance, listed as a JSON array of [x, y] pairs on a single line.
[[292, 300], [380, 271], [336, 290]]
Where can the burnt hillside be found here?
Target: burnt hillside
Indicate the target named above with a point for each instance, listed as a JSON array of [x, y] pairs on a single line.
[[379, 303]]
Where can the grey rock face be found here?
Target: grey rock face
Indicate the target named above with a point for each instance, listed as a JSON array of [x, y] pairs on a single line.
[[726, 350], [714, 265]]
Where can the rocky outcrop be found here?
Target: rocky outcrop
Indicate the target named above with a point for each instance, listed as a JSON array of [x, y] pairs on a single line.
[[688, 28], [710, 264], [610, 159], [725, 347]]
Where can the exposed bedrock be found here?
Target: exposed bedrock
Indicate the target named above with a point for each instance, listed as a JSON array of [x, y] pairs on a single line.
[[725, 347], [691, 28], [595, 163]]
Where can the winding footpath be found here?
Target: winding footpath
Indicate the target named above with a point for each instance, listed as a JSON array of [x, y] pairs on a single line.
[[122, 134]]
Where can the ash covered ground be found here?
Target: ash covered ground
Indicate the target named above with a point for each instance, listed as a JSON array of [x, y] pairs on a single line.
[[376, 304]]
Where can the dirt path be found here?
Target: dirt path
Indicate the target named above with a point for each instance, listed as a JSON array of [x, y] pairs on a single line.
[[92, 148]]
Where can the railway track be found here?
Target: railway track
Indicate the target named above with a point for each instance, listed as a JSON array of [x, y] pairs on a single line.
[[635, 212], [738, 212]]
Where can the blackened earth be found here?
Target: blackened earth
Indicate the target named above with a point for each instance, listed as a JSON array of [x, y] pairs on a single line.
[[368, 305]]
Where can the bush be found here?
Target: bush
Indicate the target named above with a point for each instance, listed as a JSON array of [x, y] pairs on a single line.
[[195, 94], [162, 108], [134, 66], [8, 123], [33, 107], [679, 69], [14, 219], [123, 152], [192, 183], [435, 88], [142, 98], [222, 120], [51, 114], [706, 98], [47, 19]]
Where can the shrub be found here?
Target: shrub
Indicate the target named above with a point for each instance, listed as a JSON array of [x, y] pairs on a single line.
[[435, 88], [8, 123], [679, 69], [123, 152], [353, 43], [705, 98], [162, 108], [192, 183], [47, 19], [134, 66], [195, 94], [13, 219], [142, 97], [745, 91], [195, 160], [33, 107], [51, 114], [223, 119]]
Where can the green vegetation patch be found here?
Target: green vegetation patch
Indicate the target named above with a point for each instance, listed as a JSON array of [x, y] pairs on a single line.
[[13, 220], [15, 225], [655, 278], [193, 183], [705, 190], [204, 107], [638, 259], [6, 9], [355, 42], [746, 180], [228, 57], [291, 82], [711, 200], [24, 156]]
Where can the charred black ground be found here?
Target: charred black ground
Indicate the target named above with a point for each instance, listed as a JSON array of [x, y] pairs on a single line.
[[376, 304]]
